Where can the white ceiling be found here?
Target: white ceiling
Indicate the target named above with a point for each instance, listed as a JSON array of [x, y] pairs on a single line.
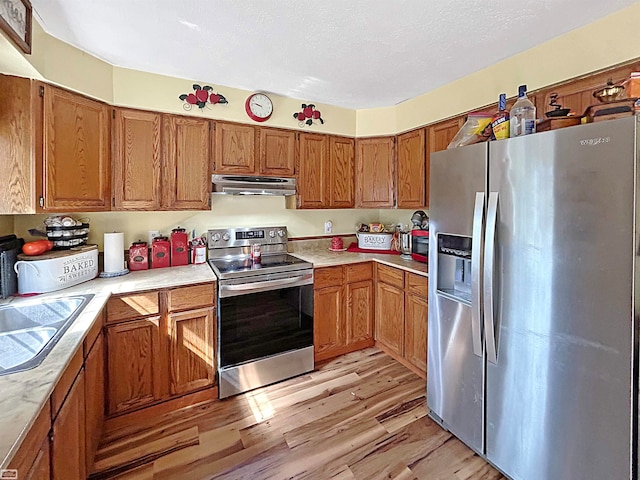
[[355, 54]]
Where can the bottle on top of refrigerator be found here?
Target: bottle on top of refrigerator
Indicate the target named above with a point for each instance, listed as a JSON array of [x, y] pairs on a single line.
[[500, 121], [523, 114]]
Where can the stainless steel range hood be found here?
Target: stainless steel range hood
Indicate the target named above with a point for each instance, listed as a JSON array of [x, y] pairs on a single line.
[[253, 185]]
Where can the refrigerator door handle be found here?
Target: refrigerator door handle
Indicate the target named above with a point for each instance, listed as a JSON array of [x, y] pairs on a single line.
[[476, 278], [489, 261]]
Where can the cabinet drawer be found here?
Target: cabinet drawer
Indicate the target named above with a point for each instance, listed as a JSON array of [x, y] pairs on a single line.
[[417, 285], [191, 297], [328, 277], [390, 276], [129, 307], [358, 272]]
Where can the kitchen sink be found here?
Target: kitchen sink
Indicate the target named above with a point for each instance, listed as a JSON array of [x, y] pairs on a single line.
[[28, 331]]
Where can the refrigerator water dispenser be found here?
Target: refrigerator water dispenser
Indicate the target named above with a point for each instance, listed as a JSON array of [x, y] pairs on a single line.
[[454, 267]]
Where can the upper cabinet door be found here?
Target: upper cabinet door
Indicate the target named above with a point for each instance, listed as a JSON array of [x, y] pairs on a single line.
[[235, 150], [277, 152], [411, 169], [375, 168], [186, 163], [136, 160], [313, 172], [18, 107], [341, 172], [439, 137], [76, 160]]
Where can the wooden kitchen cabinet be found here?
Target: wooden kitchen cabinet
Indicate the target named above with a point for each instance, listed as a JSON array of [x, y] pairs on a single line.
[[68, 460], [134, 366], [235, 148], [325, 171], [343, 309], [375, 172], [313, 174], [137, 176], [94, 368], [411, 166], [160, 345], [439, 136], [19, 105], [416, 312], [389, 329], [341, 172], [402, 316], [161, 161], [186, 163], [32, 458], [76, 153], [191, 357], [278, 152]]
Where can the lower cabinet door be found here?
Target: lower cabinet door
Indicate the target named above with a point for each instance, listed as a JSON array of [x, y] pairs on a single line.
[[328, 321], [94, 398], [415, 331], [41, 468], [68, 436], [134, 364], [360, 313], [191, 357], [390, 317]]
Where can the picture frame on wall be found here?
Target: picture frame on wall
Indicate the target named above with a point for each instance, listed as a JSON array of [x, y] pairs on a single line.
[[15, 21]]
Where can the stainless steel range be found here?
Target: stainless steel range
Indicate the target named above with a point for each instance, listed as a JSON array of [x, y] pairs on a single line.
[[265, 308]]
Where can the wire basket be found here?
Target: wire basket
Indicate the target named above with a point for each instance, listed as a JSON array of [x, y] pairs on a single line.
[[66, 237]]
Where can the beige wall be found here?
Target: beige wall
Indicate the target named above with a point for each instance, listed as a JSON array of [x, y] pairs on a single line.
[[6, 224], [611, 40], [227, 211]]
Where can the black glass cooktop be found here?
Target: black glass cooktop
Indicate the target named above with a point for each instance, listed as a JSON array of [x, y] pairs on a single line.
[[268, 263]]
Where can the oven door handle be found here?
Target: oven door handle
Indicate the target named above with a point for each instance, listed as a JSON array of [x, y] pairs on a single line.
[[266, 285]]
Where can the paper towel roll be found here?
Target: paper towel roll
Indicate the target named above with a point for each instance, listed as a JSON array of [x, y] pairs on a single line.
[[113, 252]]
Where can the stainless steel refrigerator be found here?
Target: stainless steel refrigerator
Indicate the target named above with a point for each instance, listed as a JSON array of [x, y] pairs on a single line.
[[533, 301]]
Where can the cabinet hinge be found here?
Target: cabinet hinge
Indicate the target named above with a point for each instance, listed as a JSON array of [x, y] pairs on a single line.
[[42, 90], [209, 200], [113, 201], [113, 113], [41, 202]]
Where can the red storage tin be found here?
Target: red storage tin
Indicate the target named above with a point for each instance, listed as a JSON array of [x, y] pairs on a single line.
[[160, 252]]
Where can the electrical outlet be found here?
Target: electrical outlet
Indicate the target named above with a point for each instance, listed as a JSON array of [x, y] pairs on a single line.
[[328, 226]]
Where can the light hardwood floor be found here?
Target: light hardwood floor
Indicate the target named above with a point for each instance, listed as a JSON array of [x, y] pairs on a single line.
[[362, 416]]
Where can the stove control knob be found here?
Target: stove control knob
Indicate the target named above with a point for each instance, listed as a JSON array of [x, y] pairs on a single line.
[[272, 233], [281, 233], [225, 237], [215, 237]]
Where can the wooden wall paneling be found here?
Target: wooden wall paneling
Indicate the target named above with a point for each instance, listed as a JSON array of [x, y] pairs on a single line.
[[186, 163], [411, 178], [136, 160], [341, 172], [18, 105], [375, 172], [77, 161], [278, 152]]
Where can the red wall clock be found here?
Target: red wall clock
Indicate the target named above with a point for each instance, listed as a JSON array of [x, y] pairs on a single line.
[[258, 107]]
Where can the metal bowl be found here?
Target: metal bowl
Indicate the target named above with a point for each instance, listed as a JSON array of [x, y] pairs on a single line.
[[609, 93]]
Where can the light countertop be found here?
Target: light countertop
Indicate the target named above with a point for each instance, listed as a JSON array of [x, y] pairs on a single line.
[[327, 258], [25, 393]]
